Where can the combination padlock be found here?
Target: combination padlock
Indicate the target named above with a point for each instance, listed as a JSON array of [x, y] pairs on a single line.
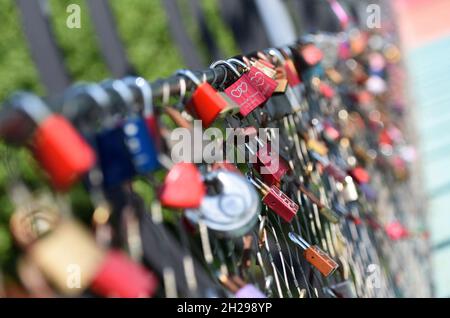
[[183, 187], [242, 91], [231, 206], [140, 145], [138, 137], [315, 256], [55, 143], [115, 161], [206, 104], [147, 109], [276, 200]]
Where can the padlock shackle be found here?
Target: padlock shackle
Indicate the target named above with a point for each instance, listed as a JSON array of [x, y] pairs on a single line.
[[297, 239], [146, 92], [190, 75], [238, 62], [228, 64], [276, 53], [32, 105], [125, 93]]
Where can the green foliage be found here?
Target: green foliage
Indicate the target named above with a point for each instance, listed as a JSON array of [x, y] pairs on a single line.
[[143, 28]]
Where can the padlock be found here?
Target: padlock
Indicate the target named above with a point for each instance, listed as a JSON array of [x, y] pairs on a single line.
[[317, 146], [140, 144], [67, 254], [330, 133], [270, 165], [65, 165], [115, 161], [264, 83], [231, 207], [118, 276], [315, 256], [183, 187], [350, 192], [360, 175], [295, 83], [265, 66], [276, 200], [140, 84], [326, 90], [396, 231], [311, 55], [205, 104], [242, 91], [330, 168], [278, 106], [70, 258], [369, 192], [68, 248], [55, 143]]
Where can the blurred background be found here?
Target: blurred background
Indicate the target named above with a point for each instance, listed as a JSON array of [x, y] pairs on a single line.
[[159, 37]]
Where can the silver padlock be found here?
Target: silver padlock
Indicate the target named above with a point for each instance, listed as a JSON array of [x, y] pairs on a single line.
[[233, 210]]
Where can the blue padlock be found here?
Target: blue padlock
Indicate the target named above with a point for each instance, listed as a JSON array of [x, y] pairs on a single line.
[[115, 161], [140, 145]]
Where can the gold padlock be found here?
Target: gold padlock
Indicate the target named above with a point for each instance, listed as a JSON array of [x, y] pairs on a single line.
[[68, 256]]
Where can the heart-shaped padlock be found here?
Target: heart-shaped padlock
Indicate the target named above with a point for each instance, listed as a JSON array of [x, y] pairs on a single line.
[[183, 187]]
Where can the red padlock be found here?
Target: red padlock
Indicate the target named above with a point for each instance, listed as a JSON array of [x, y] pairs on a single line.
[[330, 133], [183, 187], [280, 203], [61, 151], [291, 73], [360, 175], [271, 165], [276, 200], [326, 90], [206, 103], [311, 54], [396, 231], [56, 145], [263, 83], [242, 91], [120, 277]]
